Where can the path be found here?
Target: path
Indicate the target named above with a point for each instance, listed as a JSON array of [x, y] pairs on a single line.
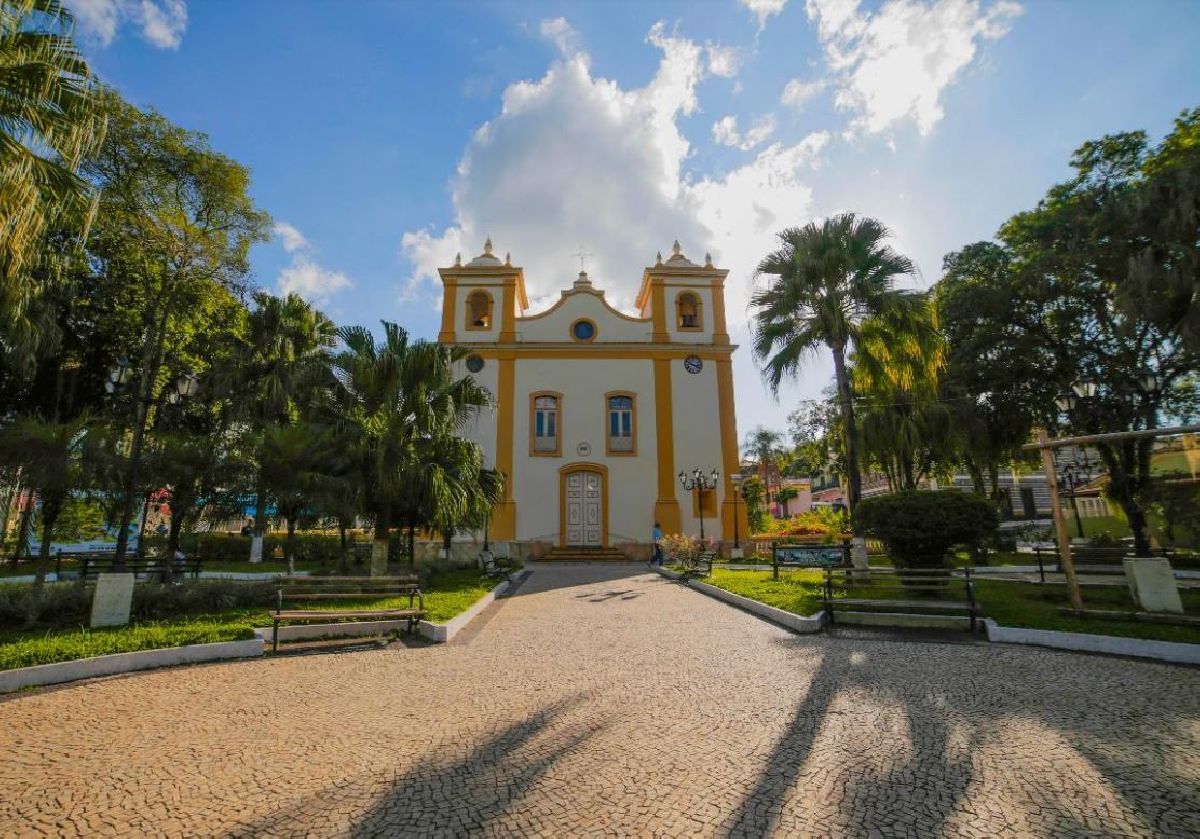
[[602, 699]]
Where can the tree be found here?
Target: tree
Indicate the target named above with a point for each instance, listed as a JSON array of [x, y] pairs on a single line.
[[295, 462], [826, 279], [281, 368], [51, 455], [403, 406], [752, 495], [785, 495], [1077, 305], [51, 118], [763, 444], [992, 383], [175, 224]]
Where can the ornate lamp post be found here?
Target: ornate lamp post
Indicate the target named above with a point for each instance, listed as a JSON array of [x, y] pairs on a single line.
[[698, 482], [736, 480], [1071, 476]]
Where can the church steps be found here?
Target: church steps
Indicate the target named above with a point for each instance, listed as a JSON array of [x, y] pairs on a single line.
[[582, 554]]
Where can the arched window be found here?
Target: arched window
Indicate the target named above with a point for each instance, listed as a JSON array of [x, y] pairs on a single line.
[[479, 310], [687, 312], [545, 431], [622, 423]]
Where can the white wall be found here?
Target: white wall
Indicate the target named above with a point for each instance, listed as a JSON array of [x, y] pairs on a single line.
[[556, 326], [632, 486], [483, 428], [697, 437]]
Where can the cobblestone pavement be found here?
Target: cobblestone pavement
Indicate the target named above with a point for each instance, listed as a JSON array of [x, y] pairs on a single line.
[[602, 700]]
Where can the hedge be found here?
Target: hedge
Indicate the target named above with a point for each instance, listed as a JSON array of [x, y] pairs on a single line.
[[919, 528]]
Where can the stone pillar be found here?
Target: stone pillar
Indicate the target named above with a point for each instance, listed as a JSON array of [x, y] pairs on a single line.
[[1152, 584], [112, 600]]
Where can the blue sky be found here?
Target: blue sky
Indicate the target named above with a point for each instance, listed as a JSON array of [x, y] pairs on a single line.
[[383, 137]]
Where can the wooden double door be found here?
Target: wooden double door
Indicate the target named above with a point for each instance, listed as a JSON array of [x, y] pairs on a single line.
[[584, 504]]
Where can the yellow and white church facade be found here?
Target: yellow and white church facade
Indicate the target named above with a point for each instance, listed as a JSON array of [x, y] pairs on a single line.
[[596, 412]]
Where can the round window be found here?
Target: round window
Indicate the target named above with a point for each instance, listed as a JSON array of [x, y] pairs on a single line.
[[474, 363], [583, 330]]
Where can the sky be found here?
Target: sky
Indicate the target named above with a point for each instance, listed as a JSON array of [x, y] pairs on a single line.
[[385, 137]]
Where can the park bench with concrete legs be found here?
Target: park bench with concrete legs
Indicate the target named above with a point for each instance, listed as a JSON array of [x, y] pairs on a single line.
[[929, 591], [300, 590]]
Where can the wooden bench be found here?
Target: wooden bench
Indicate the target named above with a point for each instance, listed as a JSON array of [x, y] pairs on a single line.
[[316, 589], [1093, 560], [91, 565], [803, 555], [703, 566], [939, 584]]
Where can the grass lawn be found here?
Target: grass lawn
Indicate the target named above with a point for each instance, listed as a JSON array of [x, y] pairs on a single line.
[[1008, 603], [448, 595]]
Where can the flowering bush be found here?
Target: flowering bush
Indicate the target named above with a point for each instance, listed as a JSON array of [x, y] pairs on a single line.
[[684, 550], [822, 521]]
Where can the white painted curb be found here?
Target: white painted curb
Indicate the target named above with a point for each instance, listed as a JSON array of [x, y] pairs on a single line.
[[797, 623], [1172, 651], [440, 633], [108, 665]]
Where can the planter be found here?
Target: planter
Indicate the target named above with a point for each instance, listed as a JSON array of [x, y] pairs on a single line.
[[1152, 584]]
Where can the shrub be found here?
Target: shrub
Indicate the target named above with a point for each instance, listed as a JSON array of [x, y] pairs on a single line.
[[821, 522], [683, 549], [918, 528]]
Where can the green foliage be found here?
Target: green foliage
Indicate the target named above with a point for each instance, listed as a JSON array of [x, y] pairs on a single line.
[[919, 528], [752, 494], [824, 522], [683, 550], [827, 279]]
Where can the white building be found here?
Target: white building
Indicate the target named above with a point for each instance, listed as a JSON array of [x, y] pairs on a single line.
[[596, 412]]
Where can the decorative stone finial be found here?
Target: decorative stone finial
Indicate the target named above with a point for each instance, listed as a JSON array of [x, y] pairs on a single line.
[[487, 246], [675, 249], [708, 260], [508, 258], [658, 258], [458, 260]]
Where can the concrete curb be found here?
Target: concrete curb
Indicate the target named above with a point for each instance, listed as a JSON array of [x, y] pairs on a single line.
[[1175, 652], [440, 633], [109, 665], [790, 620]]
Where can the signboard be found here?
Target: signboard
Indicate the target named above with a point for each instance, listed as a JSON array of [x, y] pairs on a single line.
[[83, 526]]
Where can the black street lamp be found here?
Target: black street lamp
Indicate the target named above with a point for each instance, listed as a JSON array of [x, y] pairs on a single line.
[[699, 482], [736, 480], [1072, 476]]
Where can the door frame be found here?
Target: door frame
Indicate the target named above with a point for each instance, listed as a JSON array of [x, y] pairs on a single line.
[[563, 473]]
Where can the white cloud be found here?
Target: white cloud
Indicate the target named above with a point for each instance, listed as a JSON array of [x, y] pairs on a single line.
[[894, 64], [723, 61], [763, 9], [561, 34], [725, 132], [576, 159], [293, 239], [303, 275], [797, 92], [161, 22]]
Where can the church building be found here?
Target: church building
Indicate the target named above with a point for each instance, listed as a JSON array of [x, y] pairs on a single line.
[[597, 412]]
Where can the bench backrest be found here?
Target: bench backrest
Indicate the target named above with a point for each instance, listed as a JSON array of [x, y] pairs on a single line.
[[931, 583]]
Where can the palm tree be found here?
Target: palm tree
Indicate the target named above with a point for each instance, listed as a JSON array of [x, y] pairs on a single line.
[[282, 367], [51, 118], [763, 445], [402, 403], [827, 278], [50, 455]]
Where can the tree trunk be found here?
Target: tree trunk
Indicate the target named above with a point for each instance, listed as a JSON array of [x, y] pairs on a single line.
[[1120, 460], [50, 511], [846, 404], [976, 477], [290, 544], [23, 527], [412, 544], [342, 547], [379, 546], [260, 517]]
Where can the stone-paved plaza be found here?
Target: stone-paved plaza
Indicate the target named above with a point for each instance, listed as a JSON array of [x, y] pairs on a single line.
[[601, 700]]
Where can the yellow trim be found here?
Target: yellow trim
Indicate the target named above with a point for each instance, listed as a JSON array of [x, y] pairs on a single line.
[[639, 352], [699, 327], [729, 450], [720, 328], [633, 425], [508, 330], [558, 423], [504, 517], [595, 331], [563, 473], [658, 311], [449, 306], [666, 508], [491, 305], [710, 503]]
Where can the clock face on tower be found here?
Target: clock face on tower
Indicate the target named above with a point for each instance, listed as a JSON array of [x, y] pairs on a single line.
[[693, 364]]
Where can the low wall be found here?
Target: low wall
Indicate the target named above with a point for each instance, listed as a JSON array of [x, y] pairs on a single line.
[[108, 665], [1172, 651]]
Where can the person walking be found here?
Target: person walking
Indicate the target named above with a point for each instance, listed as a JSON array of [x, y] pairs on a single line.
[[657, 535]]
